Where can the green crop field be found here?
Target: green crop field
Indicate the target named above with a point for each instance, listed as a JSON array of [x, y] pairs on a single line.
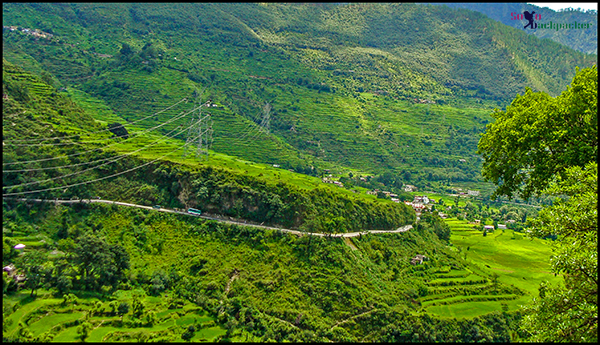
[[517, 259], [62, 322]]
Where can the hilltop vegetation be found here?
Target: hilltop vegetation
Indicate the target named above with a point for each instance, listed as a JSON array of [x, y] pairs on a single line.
[[351, 86]]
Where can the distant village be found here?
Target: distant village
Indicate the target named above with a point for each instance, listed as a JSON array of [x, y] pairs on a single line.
[[34, 32], [420, 203]]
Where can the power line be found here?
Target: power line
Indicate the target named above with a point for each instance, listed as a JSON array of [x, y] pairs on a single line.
[[63, 166], [92, 168], [79, 153], [98, 179], [101, 131], [79, 142]]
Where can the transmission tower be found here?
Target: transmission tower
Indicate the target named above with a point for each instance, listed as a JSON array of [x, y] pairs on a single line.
[[200, 132], [266, 120]]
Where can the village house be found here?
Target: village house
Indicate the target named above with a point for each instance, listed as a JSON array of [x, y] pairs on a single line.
[[421, 199], [9, 269], [418, 259], [501, 226], [488, 227], [473, 192], [410, 188]]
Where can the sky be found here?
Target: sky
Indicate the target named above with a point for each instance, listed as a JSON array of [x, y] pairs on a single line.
[[560, 5]]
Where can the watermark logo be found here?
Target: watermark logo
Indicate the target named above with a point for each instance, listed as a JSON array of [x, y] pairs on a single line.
[[531, 18]]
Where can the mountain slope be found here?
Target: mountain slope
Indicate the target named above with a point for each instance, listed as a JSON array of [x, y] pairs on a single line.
[[366, 87]]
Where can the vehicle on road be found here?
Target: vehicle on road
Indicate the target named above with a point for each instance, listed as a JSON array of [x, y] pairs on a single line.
[[156, 207], [194, 211]]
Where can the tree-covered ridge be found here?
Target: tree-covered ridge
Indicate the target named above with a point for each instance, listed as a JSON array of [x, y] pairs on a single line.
[[584, 40]]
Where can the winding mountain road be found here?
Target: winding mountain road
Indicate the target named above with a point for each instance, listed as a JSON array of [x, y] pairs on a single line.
[[295, 232]]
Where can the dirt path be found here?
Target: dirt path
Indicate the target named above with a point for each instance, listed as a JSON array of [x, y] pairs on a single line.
[[352, 317], [235, 274]]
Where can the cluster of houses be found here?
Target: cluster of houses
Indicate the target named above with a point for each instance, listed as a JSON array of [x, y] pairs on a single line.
[[330, 180], [33, 32], [11, 270], [409, 188], [420, 203], [468, 192]]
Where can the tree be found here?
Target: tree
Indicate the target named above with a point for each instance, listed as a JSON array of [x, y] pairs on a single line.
[[188, 334], [84, 330], [539, 136], [126, 50], [118, 130], [100, 263], [35, 266], [122, 309], [138, 305], [569, 312]]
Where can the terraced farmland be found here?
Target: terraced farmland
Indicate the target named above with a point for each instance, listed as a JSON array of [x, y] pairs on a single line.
[[53, 319], [501, 261]]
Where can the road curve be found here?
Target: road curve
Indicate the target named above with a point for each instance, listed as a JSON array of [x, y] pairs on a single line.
[[295, 232]]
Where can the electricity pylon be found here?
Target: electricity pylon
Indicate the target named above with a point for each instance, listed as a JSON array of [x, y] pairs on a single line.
[[200, 131], [266, 119]]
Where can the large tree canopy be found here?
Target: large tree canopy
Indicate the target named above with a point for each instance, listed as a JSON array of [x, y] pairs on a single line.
[[539, 136], [569, 312]]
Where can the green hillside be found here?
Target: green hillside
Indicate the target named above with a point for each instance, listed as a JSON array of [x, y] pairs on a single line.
[[367, 88], [187, 278], [158, 173], [242, 283]]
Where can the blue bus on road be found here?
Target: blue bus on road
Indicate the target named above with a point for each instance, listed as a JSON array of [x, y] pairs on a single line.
[[194, 211]]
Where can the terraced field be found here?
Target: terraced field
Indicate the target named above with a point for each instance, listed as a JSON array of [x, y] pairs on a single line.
[[511, 258], [51, 319]]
